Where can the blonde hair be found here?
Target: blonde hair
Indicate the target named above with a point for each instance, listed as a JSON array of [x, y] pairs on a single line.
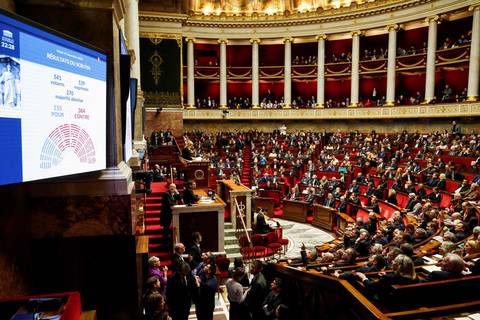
[[403, 265]]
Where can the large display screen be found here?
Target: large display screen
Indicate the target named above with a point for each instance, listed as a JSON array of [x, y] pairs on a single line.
[[52, 103]]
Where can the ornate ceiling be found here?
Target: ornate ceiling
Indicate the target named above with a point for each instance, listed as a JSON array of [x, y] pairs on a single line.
[[245, 8]]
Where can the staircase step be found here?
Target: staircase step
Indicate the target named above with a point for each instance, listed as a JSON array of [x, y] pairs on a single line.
[[230, 240]]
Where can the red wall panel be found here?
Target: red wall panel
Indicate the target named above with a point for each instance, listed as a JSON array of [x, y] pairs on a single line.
[[239, 55], [409, 84], [414, 37], [304, 89], [276, 87], [207, 88], [337, 89], [337, 47], [304, 49], [239, 89], [367, 85], [271, 54]]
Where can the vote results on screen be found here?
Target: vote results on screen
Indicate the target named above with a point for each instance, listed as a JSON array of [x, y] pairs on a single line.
[[53, 104]]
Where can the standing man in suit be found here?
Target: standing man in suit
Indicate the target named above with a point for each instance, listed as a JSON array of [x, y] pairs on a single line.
[[257, 292], [177, 258], [171, 198], [195, 251], [182, 288]]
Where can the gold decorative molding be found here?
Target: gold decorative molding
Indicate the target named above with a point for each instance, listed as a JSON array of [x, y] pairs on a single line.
[[255, 40], [321, 37], [220, 41], [188, 39], [159, 36], [356, 33], [396, 112], [432, 18], [391, 27], [474, 7], [289, 39]]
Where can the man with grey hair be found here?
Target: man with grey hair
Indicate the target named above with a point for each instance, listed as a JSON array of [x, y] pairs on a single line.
[[452, 266], [177, 258]]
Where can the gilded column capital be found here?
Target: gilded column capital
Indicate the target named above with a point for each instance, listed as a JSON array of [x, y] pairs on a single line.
[[321, 37], [356, 33], [222, 41], [188, 39], [474, 7], [285, 40], [432, 18], [391, 27], [255, 40]]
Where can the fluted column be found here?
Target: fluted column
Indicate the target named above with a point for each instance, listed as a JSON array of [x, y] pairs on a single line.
[[223, 73], [431, 51], [474, 66], [190, 73], [321, 71], [132, 34], [255, 77], [392, 56], [355, 82], [287, 89]]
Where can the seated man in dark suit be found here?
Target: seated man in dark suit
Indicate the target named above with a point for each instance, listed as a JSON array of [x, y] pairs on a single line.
[[261, 225], [452, 267], [435, 196], [189, 197]]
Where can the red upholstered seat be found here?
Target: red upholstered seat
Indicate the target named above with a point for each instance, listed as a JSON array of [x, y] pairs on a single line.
[[386, 210], [223, 263]]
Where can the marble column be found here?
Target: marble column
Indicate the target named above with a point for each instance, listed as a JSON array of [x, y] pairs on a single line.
[[223, 73], [287, 89], [474, 66], [392, 56], [321, 71], [355, 82], [190, 73], [132, 34], [431, 51], [255, 74]]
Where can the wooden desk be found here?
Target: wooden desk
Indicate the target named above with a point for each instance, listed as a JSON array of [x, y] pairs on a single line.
[[267, 204], [198, 172], [342, 221], [228, 190], [324, 217], [206, 218], [295, 210]]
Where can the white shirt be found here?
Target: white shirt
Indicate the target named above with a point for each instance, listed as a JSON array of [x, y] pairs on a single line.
[[235, 291]]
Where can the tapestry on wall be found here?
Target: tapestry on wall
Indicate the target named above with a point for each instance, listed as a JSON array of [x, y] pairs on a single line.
[[160, 70]]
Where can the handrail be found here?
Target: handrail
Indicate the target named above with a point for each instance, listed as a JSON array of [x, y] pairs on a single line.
[[241, 214]]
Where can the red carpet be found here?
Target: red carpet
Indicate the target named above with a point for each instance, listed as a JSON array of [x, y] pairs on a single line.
[[153, 209], [246, 178]]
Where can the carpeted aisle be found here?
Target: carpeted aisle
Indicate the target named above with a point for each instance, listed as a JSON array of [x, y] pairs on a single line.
[[153, 209], [246, 178]]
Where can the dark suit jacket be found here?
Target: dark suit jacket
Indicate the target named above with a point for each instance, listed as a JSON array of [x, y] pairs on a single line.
[[329, 203], [256, 296], [180, 295], [196, 254], [272, 301], [168, 201], [189, 197], [435, 198], [176, 261], [442, 275]]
